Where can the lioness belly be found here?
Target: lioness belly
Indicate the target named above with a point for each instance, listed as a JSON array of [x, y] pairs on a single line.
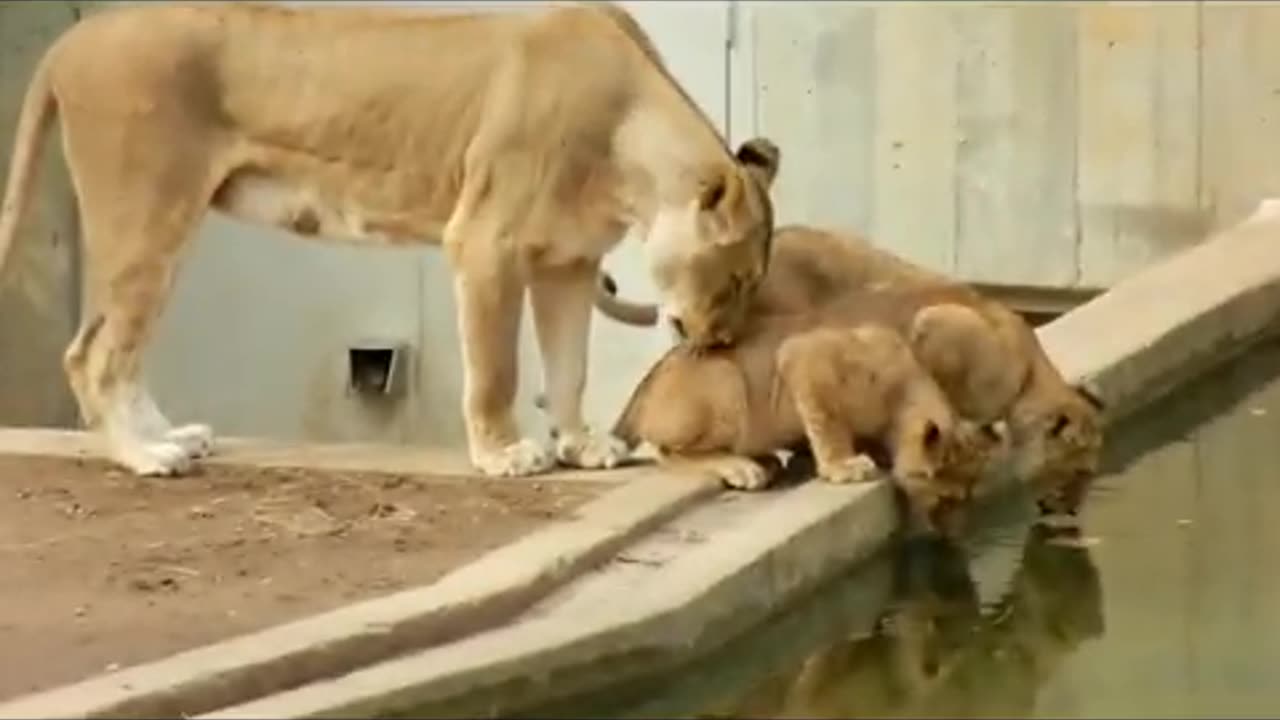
[[263, 199]]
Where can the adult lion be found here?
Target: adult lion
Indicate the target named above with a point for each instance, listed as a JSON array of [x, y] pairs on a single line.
[[526, 142], [985, 357]]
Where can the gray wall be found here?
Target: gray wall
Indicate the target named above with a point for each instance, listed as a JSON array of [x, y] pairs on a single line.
[[36, 298], [1047, 144]]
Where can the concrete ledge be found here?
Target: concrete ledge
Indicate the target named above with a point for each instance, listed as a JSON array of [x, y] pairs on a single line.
[[476, 596], [1132, 343], [1175, 319], [620, 622], [257, 452]]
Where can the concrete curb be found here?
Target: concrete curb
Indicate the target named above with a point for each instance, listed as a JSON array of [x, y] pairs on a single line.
[[1132, 343], [795, 539], [1176, 319], [482, 594]]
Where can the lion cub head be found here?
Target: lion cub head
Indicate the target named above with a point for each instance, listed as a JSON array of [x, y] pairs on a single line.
[[708, 260], [957, 458], [1058, 439]]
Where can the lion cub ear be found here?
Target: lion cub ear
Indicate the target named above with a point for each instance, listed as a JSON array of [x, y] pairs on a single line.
[[761, 158]]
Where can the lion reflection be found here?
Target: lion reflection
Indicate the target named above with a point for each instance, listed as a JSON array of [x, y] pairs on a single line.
[[934, 652]]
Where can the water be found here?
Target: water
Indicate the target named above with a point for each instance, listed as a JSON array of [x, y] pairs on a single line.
[[1167, 604]]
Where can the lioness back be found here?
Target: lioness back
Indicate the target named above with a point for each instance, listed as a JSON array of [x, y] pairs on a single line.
[[387, 144]]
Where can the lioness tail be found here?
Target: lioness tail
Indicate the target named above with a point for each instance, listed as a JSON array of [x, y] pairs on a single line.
[[37, 112]]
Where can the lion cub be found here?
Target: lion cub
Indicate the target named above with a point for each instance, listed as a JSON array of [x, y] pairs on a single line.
[[986, 357], [846, 390]]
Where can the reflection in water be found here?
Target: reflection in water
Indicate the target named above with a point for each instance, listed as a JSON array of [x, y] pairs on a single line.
[[935, 651]]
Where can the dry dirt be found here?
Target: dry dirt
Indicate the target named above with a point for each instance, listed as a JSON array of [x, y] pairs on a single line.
[[100, 569]]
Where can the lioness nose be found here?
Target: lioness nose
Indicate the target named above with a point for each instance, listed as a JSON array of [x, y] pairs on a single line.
[[678, 327]]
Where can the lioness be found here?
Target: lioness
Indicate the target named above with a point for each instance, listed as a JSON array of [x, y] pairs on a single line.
[[845, 389], [986, 358], [526, 142]]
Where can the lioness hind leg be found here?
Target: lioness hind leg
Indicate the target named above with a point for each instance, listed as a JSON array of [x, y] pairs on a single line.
[[139, 200], [137, 435], [562, 302], [810, 369], [73, 363], [196, 438]]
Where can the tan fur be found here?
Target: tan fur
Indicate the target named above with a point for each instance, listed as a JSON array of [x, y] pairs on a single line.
[[986, 358], [792, 380], [526, 142]]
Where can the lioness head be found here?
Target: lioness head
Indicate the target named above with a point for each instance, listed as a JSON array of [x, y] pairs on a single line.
[[1058, 443], [708, 259]]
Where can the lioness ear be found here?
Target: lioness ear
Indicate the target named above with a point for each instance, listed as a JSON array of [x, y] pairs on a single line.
[[720, 192], [761, 158]]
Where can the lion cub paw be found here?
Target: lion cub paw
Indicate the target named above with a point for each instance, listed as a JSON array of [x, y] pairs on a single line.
[[521, 458], [589, 450], [857, 469], [741, 473]]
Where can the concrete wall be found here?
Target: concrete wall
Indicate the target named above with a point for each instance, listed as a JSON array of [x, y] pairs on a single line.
[[1049, 144], [36, 297], [1056, 145]]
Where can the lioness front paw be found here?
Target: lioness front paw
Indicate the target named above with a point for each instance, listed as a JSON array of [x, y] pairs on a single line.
[[857, 469], [741, 473], [196, 439], [154, 459], [589, 450], [521, 458]]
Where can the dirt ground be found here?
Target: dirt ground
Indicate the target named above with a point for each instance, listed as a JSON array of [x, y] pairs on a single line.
[[100, 569]]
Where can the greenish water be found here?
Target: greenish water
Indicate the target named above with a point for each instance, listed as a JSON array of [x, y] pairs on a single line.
[[1166, 604]]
